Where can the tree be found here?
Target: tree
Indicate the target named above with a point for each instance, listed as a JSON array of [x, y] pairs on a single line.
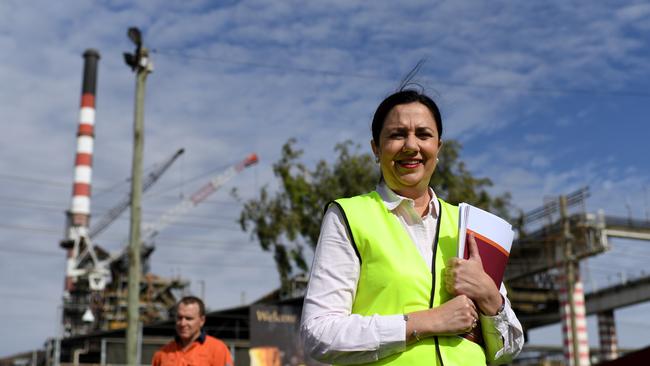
[[288, 220]]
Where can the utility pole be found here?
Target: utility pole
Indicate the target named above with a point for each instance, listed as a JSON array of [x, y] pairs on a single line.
[[142, 66], [571, 267]]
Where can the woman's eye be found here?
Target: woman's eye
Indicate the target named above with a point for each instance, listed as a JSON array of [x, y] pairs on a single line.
[[424, 133]]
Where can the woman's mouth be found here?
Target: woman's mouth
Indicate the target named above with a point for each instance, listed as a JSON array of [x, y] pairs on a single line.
[[409, 164]]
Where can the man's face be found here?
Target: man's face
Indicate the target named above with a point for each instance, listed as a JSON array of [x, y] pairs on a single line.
[[188, 322]]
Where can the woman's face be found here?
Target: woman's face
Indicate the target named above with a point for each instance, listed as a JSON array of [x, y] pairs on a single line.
[[408, 148]]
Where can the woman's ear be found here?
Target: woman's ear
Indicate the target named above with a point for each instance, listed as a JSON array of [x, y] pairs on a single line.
[[375, 149]]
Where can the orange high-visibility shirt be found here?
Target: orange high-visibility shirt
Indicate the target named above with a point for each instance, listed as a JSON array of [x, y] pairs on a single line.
[[205, 351]]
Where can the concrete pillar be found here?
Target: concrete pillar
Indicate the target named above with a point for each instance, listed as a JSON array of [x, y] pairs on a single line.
[[580, 319], [607, 335]]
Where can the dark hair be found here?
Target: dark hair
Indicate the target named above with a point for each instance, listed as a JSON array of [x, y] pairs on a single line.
[[404, 96], [187, 300]]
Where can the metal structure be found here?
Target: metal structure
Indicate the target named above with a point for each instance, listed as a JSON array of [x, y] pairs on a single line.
[[94, 268], [543, 274], [106, 299], [535, 257], [156, 294]]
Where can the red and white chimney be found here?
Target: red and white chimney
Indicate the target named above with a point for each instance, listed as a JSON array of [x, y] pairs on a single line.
[[78, 216], [80, 207]]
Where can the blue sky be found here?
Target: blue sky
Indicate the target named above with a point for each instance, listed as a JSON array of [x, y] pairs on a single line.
[[546, 97]]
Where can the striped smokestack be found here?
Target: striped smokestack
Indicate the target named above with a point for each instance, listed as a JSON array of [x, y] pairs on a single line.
[[78, 216], [80, 207]]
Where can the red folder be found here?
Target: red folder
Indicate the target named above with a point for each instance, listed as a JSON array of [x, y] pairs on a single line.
[[493, 236]]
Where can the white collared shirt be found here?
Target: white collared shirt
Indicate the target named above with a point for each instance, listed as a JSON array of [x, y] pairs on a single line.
[[332, 334]]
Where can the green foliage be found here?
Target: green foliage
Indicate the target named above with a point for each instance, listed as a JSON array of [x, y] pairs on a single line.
[[288, 220], [291, 219]]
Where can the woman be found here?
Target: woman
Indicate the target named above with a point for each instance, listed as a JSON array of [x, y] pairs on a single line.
[[385, 286]]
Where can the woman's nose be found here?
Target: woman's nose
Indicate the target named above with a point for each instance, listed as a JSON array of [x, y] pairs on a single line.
[[410, 144]]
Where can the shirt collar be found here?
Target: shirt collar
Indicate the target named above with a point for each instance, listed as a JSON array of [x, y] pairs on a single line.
[[392, 200], [200, 339]]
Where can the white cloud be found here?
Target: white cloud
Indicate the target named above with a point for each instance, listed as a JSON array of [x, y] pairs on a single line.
[[237, 77], [634, 14], [537, 138]]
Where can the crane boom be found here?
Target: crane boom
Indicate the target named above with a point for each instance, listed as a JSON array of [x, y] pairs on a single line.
[[168, 217], [117, 210]]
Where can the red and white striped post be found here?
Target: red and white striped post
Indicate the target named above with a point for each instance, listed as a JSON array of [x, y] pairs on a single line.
[[580, 319], [607, 335], [79, 213]]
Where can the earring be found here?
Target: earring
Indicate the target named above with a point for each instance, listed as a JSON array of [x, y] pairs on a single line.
[[437, 160], [376, 159]]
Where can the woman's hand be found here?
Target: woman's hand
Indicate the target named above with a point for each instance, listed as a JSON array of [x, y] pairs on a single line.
[[467, 277], [456, 316]]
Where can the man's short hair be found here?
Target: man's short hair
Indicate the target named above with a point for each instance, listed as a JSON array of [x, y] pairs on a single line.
[[187, 300]]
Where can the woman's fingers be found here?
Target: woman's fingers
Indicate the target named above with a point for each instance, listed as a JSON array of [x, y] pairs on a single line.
[[456, 316]]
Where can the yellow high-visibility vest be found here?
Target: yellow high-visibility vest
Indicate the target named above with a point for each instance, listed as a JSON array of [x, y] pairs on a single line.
[[394, 278]]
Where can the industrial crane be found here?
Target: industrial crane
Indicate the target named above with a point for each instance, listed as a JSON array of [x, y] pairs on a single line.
[[150, 231], [87, 260], [93, 261], [98, 272], [117, 264], [118, 209]]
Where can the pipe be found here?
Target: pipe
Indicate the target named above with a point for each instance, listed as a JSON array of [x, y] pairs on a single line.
[[79, 351]]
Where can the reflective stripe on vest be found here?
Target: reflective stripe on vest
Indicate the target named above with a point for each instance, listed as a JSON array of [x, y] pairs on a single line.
[[394, 278]]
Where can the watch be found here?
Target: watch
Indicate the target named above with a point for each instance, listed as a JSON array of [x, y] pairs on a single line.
[[503, 306]]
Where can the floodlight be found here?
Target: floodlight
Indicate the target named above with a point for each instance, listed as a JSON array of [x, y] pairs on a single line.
[[131, 60], [135, 36]]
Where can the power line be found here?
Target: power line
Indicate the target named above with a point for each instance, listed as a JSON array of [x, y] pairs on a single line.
[[40, 229], [162, 240], [227, 263], [30, 206], [27, 179], [101, 209], [56, 256], [309, 70], [51, 254], [296, 69], [184, 182], [212, 246], [208, 222], [209, 245], [102, 190], [58, 206], [51, 182], [156, 195], [47, 230]]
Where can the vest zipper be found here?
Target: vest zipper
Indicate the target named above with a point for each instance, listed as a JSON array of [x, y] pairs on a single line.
[[433, 279]]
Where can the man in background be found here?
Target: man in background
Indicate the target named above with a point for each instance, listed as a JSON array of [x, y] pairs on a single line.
[[192, 346]]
